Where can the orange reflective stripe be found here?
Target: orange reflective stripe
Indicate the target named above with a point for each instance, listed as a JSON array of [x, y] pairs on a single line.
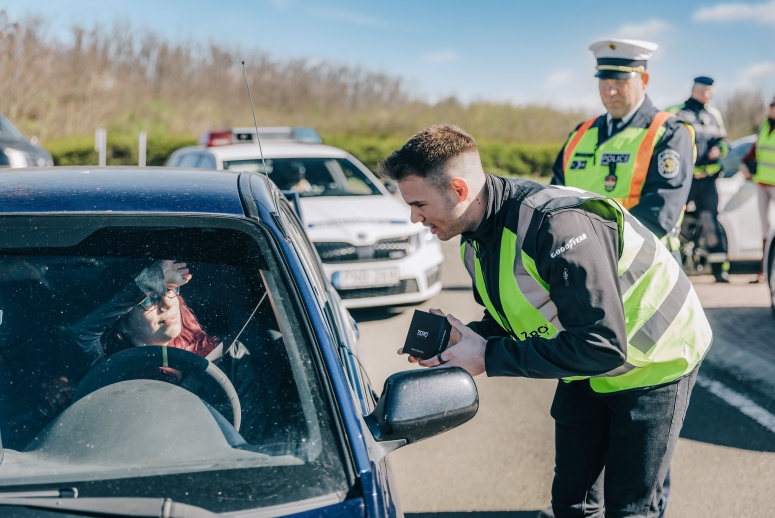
[[571, 147], [643, 159]]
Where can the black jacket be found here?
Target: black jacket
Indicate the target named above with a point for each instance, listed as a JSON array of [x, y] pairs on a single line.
[[709, 130], [583, 285]]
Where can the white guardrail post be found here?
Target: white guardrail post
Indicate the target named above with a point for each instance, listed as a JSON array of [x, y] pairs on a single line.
[[101, 144], [142, 149]]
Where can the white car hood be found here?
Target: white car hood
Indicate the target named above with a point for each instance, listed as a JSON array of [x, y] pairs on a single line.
[[359, 220]]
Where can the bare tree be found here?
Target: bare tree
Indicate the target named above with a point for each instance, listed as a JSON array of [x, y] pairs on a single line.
[[129, 79], [743, 112]]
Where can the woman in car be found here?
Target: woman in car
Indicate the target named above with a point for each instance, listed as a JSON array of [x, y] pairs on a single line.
[[146, 312], [151, 311]]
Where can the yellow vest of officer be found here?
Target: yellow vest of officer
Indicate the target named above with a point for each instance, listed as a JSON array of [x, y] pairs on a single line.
[[618, 167], [667, 332], [765, 155]]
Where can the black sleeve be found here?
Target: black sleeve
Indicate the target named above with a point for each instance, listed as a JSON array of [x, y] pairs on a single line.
[[584, 286], [558, 175], [750, 159], [666, 188]]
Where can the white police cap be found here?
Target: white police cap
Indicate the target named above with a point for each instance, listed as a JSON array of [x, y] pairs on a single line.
[[621, 59]]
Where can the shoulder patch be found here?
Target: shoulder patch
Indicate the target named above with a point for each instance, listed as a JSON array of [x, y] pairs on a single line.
[[669, 163]]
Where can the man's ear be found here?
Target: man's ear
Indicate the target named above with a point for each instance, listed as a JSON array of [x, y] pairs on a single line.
[[644, 76], [461, 188]]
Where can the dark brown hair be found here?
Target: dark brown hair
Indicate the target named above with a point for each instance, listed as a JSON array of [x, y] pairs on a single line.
[[426, 153]]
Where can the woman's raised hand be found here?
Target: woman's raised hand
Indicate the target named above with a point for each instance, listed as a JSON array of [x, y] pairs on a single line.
[[175, 274]]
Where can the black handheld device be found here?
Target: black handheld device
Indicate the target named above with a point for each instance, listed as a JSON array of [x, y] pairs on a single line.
[[428, 335]]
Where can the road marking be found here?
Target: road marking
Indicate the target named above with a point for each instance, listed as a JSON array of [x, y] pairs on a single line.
[[739, 401]]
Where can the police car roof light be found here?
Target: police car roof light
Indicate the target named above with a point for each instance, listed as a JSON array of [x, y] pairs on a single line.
[[247, 135], [216, 138], [303, 135]]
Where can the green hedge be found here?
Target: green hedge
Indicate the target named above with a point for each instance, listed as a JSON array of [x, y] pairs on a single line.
[[121, 150], [501, 158]]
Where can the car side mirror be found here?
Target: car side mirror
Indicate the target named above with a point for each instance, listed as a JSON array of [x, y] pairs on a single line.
[[391, 186], [417, 404]]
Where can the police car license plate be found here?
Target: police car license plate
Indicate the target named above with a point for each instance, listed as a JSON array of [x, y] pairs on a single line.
[[352, 279]]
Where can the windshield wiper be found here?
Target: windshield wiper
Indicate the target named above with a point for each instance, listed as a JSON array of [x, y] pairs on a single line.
[[104, 507], [67, 492]]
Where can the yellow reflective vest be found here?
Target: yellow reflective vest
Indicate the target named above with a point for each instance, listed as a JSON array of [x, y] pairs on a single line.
[[618, 167], [765, 155], [667, 331]]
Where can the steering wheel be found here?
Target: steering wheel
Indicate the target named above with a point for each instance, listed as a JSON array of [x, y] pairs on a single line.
[[198, 372]]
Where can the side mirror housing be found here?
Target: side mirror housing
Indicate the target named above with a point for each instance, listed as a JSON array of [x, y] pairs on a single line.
[[417, 404]]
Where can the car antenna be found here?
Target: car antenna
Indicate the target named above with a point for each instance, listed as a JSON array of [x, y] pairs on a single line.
[[258, 138]]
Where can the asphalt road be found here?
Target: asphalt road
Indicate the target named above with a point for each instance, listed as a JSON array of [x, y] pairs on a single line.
[[500, 463]]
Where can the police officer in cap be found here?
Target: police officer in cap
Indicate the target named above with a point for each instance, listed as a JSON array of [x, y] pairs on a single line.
[[634, 153], [638, 155], [712, 145]]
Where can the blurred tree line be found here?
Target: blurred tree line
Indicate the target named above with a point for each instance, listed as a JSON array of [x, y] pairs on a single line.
[[130, 80]]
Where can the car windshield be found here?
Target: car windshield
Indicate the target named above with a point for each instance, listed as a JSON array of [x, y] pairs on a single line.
[[8, 131], [737, 151], [312, 176], [83, 404]]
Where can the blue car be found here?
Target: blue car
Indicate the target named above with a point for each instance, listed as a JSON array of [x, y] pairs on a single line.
[[170, 346]]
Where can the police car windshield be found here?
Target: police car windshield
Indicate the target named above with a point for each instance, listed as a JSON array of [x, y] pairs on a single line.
[[311, 176]]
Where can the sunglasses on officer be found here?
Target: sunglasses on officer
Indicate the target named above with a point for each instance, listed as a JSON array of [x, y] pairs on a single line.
[[153, 300]]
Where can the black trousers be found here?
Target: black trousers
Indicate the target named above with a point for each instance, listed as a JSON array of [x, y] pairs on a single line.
[[613, 451], [704, 194]]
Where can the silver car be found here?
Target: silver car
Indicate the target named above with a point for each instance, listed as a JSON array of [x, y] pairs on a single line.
[[16, 151]]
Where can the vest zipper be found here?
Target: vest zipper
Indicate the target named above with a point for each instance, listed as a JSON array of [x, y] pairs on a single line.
[[475, 245]]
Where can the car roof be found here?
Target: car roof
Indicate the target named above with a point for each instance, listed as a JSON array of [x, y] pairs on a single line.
[[125, 189], [270, 150]]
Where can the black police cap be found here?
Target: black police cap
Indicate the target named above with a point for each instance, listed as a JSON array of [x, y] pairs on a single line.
[[704, 80]]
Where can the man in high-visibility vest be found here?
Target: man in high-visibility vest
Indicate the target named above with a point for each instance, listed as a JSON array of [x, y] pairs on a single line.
[[759, 165], [712, 145], [577, 289], [634, 153]]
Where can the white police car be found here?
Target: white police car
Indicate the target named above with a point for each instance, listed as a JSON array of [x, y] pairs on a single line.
[[371, 251]]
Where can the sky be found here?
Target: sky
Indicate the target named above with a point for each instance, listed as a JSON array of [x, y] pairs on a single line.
[[485, 50]]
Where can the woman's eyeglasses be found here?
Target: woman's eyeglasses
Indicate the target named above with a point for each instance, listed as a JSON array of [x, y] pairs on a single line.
[[153, 300]]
